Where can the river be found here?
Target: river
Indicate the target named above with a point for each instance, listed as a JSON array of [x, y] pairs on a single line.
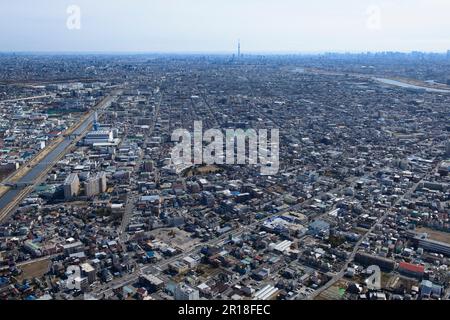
[[34, 173], [410, 86]]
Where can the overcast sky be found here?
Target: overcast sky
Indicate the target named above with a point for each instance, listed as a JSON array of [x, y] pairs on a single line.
[[216, 25]]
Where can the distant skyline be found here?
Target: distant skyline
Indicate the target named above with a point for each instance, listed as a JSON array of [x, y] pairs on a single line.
[[213, 26]]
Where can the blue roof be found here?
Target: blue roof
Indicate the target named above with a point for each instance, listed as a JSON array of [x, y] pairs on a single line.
[[319, 224], [128, 289], [150, 198]]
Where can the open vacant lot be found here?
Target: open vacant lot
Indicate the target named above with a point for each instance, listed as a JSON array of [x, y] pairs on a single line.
[[435, 235], [177, 237], [335, 292], [34, 269]]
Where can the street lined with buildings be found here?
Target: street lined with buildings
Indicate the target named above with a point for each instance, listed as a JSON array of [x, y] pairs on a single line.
[[91, 184]]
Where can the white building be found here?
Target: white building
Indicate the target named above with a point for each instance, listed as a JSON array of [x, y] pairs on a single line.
[[71, 186], [95, 185], [88, 271], [101, 136], [185, 292]]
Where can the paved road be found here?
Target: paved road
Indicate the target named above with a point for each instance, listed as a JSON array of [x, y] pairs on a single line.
[[133, 197]]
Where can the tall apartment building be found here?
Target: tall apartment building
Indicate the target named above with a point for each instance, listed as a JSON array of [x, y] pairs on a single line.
[[95, 185], [71, 186], [148, 166], [89, 272]]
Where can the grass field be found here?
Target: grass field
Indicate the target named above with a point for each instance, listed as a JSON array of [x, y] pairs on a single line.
[[34, 269], [435, 235], [202, 170], [3, 189], [335, 292]]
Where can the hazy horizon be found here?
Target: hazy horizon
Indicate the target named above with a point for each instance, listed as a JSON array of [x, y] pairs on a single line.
[[214, 27]]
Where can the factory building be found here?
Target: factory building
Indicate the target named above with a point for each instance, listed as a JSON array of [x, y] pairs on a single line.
[[99, 137]]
